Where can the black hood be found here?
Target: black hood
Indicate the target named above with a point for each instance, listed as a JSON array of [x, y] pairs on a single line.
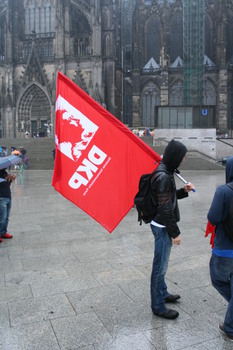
[[173, 154], [229, 170]]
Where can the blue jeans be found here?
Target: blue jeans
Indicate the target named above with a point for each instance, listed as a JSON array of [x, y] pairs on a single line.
[[5, 207], [221, 273], [162, 250]]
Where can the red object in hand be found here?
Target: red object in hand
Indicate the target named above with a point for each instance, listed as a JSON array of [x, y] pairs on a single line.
[[210, 229]]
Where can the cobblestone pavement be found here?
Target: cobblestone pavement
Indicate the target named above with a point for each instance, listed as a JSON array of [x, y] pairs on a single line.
[[66, 283]]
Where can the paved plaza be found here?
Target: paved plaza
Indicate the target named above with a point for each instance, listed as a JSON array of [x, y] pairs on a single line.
[[66, 283]]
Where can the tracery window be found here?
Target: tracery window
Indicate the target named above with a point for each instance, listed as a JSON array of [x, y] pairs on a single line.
[[40, 17], [152, 38], [229, 34], [81, 33], [2, 38], [176, 94], [176, 36], [209, 94], [40, 26], [230, 107], [150, 98], [209, 38]]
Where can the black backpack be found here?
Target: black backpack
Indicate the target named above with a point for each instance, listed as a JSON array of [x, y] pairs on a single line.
[[228, 222], [146, 199]]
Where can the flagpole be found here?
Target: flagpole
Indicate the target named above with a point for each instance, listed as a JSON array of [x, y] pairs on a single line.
[[183, 180]]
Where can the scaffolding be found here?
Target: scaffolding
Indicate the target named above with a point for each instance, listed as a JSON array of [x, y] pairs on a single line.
[[127, 9], [193, 51]]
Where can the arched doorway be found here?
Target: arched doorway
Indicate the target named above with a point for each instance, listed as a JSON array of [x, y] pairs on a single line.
[[34, 113]]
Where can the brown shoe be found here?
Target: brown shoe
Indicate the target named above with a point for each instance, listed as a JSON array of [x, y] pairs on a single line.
[[172, 298], [169, 314], [221, 327]]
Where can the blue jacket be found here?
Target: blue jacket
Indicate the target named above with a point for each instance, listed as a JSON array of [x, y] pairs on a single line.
[[219, 210]]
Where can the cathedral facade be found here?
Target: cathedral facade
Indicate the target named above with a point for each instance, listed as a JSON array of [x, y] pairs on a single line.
[[131, 56], [160, 77], [40, 38]]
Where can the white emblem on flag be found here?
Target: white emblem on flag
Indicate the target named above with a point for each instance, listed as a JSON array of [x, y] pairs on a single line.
[[79, 130]]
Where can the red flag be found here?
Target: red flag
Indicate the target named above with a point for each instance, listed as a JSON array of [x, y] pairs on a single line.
[[98, 159]]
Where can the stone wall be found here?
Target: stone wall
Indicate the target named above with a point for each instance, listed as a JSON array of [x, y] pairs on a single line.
[[201, 140]]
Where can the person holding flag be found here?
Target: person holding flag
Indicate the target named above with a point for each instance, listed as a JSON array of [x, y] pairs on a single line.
[[164, 226]]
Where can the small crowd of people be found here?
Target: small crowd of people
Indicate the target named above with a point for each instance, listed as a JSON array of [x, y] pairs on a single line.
[[21, 153], [144, 132], [36, 135]]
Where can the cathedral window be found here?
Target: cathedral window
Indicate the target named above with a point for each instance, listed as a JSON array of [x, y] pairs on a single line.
[[40, 18], [81, 33], [229, 35], [230, 106], [2, 39], [152, 38], [150, 99], [176, 36], [176, 94], [209, 37], [39, 26], [209, 94]]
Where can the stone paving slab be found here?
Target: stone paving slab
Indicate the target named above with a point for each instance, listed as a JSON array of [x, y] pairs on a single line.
[[67, 284]]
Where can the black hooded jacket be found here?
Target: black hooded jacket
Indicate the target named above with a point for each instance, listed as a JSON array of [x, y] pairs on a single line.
[[165, 188]]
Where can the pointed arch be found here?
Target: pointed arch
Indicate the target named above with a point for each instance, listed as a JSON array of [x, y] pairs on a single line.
[[106, 17], [209, 47], [33, 110], [229, 37], [2, 37], [176, 93], [81, 32], [152, 38], [176, 36], [107, 42], [210, 95], [150, 98]]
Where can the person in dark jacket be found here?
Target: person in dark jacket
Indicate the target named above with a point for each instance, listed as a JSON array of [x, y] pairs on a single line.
[[164, 226], [5, 202], [221, 262]]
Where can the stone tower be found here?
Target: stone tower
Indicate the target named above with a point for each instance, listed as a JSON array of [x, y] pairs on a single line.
[[40, 37]]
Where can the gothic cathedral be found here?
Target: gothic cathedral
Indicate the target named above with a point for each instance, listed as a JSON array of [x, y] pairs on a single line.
[[132, 56]]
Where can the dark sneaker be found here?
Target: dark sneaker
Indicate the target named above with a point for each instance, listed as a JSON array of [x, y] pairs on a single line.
[[221, 327], [172, 298], [168, 314], [7, 236]]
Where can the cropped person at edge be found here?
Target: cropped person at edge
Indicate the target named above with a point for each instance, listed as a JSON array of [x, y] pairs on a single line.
[[221, 262], [5, 202]]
